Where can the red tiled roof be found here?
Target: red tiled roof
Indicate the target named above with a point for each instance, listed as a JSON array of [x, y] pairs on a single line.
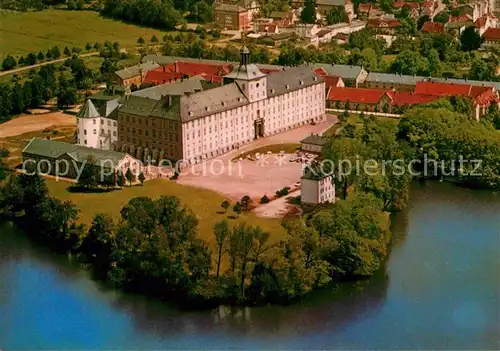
[[160, 77], [401, 4], [331, 81], [432, 27], [481, 95], [380, 23], [401, 98], [428, 4], [464, 18], [492, 34], [442, 89], [321, 71], [364, 7], [481, 21], [356, 95], [485, 98], [193, 68]]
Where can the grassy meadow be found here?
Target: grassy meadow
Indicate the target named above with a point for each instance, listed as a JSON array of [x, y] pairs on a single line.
[[205, 204], [25, 32]]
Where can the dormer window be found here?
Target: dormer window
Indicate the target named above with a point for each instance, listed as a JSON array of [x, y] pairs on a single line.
[[301, 82], [223, 103], [239, 99], [315, 78], [207, 108], [272, 91], [190, 113], [287, 86]]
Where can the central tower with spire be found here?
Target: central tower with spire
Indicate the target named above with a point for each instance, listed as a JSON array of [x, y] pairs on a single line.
[[248, 77]]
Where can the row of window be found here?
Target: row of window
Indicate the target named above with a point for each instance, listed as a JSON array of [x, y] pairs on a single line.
[[102, 122], [94, 131]]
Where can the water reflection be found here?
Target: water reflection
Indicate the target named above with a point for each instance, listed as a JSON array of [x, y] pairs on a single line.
[[440, 289]]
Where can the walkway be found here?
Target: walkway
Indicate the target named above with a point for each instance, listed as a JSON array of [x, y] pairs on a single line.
[[25, 68]]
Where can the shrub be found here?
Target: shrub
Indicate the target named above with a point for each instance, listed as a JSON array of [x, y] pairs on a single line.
[[283, 192], [264, 199]]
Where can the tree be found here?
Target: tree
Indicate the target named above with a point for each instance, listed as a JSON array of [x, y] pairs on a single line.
[[120, 180], [480, 70], [344, 153], [470, 39], [442, 17], [336, 15], [154, 39], [462, 104], [97, 246], [116, 47], [67, 96], [4, 153], [18, 103], [129, 176], [41, 56], [216, 33], [142, 178], [9, 63], [88, 46], [245, 203], [308, 13], [90, 174], [56, 53], [31, 59], [140, 41], [410, 63], [421, 20], [221, 232], [264, 199], [225, 205], [67, 51], [237, 208]]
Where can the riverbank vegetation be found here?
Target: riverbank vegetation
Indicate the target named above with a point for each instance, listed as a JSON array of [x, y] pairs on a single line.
[[161, 243]]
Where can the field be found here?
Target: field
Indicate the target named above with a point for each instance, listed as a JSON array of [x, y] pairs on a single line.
[[16, 133], [205, 204], [24, 32]]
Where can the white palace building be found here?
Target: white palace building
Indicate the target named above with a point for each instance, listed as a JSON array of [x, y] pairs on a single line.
[[199, 121]]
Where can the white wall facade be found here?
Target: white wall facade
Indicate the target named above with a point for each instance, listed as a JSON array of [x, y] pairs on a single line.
[[219, 133], [317, 191], [98, 133]]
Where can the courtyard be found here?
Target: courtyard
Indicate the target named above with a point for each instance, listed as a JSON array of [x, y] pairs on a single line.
[[257, 178]]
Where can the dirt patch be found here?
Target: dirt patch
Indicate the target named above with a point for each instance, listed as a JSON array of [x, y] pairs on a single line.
[[31, 123], [278, 208]]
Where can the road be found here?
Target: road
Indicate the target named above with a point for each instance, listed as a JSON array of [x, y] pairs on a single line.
[[25, 68]]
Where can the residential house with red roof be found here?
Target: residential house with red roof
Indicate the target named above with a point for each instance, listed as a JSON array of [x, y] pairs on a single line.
[[428, 7], [432, 28], [483, 23], [412, 6], [384, 25], [491, 37]]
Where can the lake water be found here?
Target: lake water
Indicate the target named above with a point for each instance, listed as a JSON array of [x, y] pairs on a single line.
[[440, 289]]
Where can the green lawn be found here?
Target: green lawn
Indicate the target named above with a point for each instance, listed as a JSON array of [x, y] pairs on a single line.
[[24, 32], [288, 148], [205, 203]]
